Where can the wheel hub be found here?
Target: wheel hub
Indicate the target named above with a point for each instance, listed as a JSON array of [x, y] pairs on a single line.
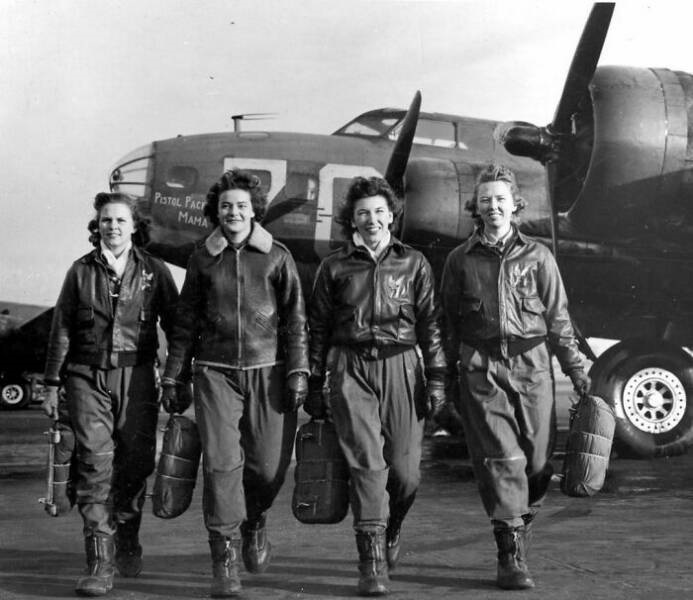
[[654, 400]]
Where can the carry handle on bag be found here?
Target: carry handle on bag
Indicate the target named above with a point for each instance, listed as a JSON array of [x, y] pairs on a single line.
[[592, 425], [176, 470], [321, 491]]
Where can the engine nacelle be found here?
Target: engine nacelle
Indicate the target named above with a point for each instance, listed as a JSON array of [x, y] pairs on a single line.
[[436, 192], [638, 176]]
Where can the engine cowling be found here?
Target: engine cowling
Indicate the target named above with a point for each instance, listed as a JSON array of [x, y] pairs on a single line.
[[436, 192], [638, 176]]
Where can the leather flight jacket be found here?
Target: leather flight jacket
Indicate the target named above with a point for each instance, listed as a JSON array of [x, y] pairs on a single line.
[[109, 323], [503, 302], [379, 306], [240, 308]]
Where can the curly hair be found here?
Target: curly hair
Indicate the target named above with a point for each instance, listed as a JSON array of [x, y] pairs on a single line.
[[362, 187], [495, 172], [235, 179], [139, 238]]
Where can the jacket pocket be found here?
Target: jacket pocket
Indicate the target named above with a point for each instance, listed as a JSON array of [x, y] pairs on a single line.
[[468, 306], [266, 321], [469, 312], [533, 316], [406, 323], [85, 317]]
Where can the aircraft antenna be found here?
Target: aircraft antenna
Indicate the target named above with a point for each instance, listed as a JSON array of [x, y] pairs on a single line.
[[249, 117]]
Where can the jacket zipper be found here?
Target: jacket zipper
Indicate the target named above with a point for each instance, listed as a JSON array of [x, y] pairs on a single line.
[[238, 303]]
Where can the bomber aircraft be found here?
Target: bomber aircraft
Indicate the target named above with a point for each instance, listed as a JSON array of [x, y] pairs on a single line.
[[608, 181]]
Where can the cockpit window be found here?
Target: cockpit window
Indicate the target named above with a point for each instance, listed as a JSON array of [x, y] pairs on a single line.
[[372, 125], [435, 133], [179, 177]]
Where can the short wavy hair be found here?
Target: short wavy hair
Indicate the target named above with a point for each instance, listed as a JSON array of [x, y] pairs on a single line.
[[139, 238], [362, 187], [495, 172], [235, 179]]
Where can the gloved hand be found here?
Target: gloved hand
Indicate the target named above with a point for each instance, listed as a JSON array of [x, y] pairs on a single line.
[[176, 397], [50, 402], [435, 398], [296, 391], [315, 403], [581, 381]]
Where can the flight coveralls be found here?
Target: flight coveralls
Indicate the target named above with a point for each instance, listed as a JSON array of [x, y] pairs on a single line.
[[103, 343], [241, 317], [504, 309], [366, 318]]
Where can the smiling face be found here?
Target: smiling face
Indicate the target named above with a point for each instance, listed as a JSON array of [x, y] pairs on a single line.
[[116, 226], [236, 214], [495, 205], [372, 219]]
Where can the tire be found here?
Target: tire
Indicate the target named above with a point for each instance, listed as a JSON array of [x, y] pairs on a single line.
[[649, 385], [14, 395]]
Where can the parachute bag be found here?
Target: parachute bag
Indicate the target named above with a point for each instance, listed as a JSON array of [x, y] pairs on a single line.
[[176, 470], [321, 491], [61, 471], [588, 447]]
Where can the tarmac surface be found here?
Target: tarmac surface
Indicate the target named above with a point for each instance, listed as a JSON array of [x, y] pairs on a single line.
[[630, 541]]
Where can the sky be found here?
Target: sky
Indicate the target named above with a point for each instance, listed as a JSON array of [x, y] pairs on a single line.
[[84, 82]]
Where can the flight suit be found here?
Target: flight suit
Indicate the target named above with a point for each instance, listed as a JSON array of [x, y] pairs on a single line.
[[367, 317], [505, 310], [103, 341], [241, 317]]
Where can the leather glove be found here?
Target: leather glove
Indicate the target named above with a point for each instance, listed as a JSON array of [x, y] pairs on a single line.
[[435, 398], [176, 397], [50, 402], [581, 381], [315, 403], [296, 391]]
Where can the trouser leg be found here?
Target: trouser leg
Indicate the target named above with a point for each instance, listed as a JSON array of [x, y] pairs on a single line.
[[218, 410], [355, 404], [90, 407], [267, 438], [403, 388], [508, 412], [135, 449]]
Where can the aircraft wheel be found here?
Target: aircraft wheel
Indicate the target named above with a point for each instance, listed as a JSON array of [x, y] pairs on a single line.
[[14, 395], [649, 384]]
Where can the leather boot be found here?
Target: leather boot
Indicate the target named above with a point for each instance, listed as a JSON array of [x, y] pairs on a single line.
[[393, 541], [512, 568], [528, 518], [256, 549], [98, 577], [128, 557], [371, 545], [226, 582]]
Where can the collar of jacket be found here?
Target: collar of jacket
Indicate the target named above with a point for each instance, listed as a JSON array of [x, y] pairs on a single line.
[[352, 248], [476, 238], [259, 238], [95, 255]]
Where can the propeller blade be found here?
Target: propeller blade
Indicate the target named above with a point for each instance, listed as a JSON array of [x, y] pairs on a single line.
[[551, 179], [397, 166], [583, 66]]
